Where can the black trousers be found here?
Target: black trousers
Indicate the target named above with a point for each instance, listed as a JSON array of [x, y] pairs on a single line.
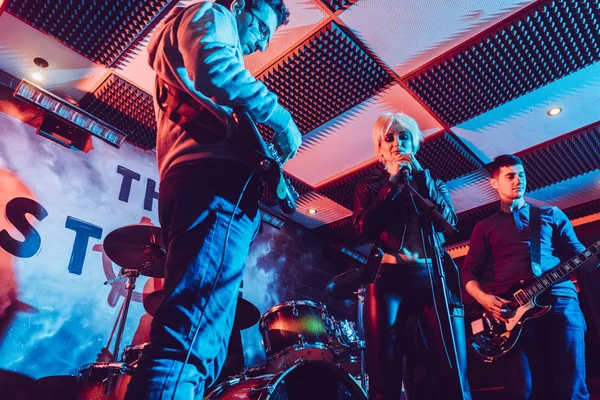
[[404, 340]]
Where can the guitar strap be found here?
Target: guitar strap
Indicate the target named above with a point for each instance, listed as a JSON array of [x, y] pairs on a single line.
[[535, 229]]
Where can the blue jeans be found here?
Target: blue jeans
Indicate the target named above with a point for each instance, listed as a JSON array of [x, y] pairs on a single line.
[[196, 206], [549, 362]]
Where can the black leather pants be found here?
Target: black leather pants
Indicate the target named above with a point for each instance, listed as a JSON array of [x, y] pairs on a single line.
[[404, 339]]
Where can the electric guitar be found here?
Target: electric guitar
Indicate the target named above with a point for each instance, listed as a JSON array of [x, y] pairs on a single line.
[[268, 161], [491, 338]]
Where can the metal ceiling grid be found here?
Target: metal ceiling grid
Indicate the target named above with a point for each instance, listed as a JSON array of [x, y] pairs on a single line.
[[533, 49], [99, 30], [325, 76], [126, 107]]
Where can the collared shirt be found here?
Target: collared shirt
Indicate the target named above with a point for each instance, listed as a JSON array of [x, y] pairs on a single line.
[[197, 49], [504, 241]]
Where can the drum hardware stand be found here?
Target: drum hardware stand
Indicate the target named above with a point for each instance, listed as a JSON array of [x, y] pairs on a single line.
[[360, 294], [132, 274]]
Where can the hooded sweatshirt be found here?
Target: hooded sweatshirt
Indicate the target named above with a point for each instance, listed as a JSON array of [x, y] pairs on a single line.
[[197, 49]]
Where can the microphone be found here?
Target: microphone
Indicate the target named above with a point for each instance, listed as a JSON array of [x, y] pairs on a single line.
[[405, 170]]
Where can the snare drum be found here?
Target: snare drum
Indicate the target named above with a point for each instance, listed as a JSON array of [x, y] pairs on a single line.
[[295, 330], [103, 381], [300, 381]]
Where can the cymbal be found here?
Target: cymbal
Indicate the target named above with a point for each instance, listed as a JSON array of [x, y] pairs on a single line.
[[246, 313], [137, 247], [152, 301], [343, 286]]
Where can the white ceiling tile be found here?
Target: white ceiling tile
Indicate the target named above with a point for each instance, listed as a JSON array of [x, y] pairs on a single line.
[[410, 33], [523, 122], [344, 143]]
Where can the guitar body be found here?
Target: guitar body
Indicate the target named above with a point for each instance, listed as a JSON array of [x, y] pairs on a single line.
[[266, 160], [491, 338]]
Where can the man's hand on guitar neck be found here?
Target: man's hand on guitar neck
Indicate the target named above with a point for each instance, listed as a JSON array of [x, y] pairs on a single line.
[[288, 141], [494, 304]]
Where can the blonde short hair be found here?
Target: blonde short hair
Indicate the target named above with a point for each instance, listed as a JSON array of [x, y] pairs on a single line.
[[398, 121]]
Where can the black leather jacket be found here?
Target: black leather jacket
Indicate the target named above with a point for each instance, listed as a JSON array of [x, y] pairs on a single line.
[[382, 209]]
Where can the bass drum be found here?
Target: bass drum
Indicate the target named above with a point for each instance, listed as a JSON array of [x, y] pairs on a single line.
[[301, 381]]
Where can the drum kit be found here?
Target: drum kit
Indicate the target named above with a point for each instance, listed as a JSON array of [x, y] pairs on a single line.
[[309, 353]]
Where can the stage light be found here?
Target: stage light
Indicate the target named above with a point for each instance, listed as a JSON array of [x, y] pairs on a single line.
[[69, 113], [554, 111], [313, 211]]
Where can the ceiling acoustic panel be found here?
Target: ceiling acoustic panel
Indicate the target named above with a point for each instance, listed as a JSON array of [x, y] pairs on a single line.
[[564, 158], [583, 210], [532, 49], [126, 107], [336, 5], [99, 30], [446, 157], [325, 76], [342, 190]]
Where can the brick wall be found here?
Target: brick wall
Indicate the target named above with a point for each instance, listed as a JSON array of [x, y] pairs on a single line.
[[303, 265]]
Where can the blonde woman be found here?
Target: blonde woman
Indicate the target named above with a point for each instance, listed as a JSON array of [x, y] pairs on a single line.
[[401, 318]]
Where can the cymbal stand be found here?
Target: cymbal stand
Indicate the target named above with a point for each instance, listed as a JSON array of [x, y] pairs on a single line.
[[360, 294], [132, 274]]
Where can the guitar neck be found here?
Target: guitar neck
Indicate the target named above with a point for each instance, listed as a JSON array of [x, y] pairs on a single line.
[[556, 274]]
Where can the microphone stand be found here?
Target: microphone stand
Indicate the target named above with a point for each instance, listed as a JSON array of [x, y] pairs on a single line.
[[432, 216]]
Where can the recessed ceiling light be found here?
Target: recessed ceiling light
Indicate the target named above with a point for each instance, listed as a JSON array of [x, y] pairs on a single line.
[[312, 211], [41, 64], [554, 111]]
